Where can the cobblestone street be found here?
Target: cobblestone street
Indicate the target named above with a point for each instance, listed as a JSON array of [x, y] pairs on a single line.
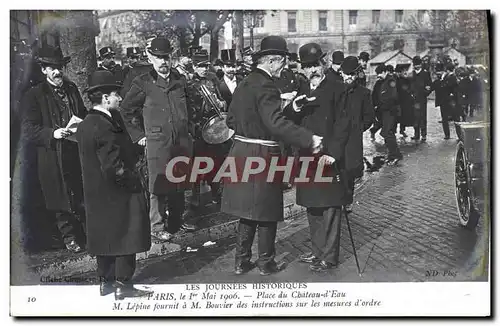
[[405, 228]]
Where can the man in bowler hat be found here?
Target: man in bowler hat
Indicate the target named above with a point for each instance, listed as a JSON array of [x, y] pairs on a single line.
[[377, 124], [334, 70], [256, 116], [47, 109], [117, 220], [315, 109], [156, 115], [420, 88], [363, 58]]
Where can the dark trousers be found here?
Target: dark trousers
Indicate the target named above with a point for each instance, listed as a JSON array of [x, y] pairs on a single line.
[[160, 219], [420, 124], [69, 226], [267, 237], [445, 118], [119, 268], [324, 225], [388, 123], [377, 124]]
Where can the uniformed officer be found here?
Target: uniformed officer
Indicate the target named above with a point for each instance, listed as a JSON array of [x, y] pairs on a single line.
[[363, 58], [388, 104], [136, 66], [333, 71], [107, 56], [377, 124], [133, 56], [420, 89], [405, 98]]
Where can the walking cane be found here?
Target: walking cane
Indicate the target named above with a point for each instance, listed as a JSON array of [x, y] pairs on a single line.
[[341, 178]]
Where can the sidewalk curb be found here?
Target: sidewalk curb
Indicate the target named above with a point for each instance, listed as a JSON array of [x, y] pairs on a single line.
[[83, 263]]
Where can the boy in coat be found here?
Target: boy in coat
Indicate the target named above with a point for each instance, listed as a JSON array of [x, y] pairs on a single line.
[[117, 220]]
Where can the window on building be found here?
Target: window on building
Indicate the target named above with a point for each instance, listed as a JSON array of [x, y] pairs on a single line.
[[259, 22], [353, 47], [399, 44], [398, 16], [421, 45], [353, 17], [420, 16], [375, 16], [322, 20], [292, 21]]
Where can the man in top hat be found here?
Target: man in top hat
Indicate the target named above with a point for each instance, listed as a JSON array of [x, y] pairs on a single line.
[[420, 81], [156, 114], [449, 87], [256, 116], [230, 79], [107, 56], [47, 109], [406, 102], [117, 220], [363, 58], [321, 114], [388, 104], [136, 66], [356, 99], [334, 70], [201, 109], [377, 124]]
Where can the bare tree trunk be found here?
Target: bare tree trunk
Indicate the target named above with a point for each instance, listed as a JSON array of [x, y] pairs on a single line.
[[77, 31], [214, 45], [238, 33], [251, 36]]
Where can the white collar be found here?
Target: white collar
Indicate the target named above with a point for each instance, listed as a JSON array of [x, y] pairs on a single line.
[[267, 72], [50, 82], [226, 77], [321, 80], [102, 110], [164, 76]]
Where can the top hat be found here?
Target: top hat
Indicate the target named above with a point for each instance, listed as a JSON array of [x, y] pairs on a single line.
[[134, 51], [272, 45], [101, 79], [160, 46], [400, 67], [310, 53], [417, 61], [52, 55], [364, 56], [247, 50], [350, 65], [105, 51], [380, 69], [337, 57], [201, 58], [294, 57], [228, 56]]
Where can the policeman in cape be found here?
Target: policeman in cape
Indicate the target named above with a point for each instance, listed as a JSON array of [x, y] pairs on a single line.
[[377, 124], [202, 109], [107, 56], [406, 101], [334, 70], [316, 110], [389, 106], [363, 58]]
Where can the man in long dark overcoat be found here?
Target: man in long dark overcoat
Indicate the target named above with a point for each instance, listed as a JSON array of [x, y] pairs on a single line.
[[256, 117], [117, 218], [420, 89], [47, 109], [155, 112]]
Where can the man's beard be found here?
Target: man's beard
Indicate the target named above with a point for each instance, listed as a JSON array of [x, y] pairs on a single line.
[[58, 80], [163, 69]]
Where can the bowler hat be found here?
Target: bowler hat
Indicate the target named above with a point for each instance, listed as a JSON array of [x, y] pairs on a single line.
[[105, 51], [337, 57], [272, 45], [160, 46], [380, 69], [417, 61], [400, 67], [101, 79], [52, 55], [310, 53], [364, 56], [228, 56], [350, 65], [389, 68], [133, 51]]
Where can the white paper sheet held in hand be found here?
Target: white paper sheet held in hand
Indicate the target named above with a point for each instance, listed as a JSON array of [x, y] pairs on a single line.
[[72, 126]]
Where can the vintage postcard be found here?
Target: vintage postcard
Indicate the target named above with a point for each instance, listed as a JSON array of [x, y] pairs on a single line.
[[264, 162]]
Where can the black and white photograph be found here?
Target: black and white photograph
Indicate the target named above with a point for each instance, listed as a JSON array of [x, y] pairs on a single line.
[[260, 162]]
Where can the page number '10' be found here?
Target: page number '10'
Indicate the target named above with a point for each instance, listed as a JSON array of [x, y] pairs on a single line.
[[31, 299]]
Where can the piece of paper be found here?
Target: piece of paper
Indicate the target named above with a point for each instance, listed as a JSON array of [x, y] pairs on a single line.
[[73, 125]]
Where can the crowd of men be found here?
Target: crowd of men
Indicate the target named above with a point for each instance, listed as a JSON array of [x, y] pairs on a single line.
[[275, 102]]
